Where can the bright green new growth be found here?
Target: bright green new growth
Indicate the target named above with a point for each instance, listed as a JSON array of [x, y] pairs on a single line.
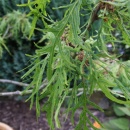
[[75, 57], [11, 25]]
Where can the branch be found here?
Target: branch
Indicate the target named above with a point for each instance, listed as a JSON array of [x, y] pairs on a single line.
[[15, 93], [20, 84], [14, 82]]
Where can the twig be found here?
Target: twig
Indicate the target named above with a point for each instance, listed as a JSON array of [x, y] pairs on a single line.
[[118, 93], [20, 84], [14, 82], [15, 93]]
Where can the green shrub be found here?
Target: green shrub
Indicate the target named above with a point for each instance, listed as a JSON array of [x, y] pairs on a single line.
[[75, 57], [78, 54], [14, 31]]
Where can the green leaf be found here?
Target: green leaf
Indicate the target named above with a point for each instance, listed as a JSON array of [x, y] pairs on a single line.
[[117, 124], [125, 110], [117, 110], [110, 96], [33, 26]]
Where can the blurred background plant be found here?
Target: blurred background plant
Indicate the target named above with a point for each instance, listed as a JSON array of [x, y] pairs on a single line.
[[121, 119], [14, 44]]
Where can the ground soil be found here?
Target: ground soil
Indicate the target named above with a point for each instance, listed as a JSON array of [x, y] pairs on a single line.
[[18, 115]]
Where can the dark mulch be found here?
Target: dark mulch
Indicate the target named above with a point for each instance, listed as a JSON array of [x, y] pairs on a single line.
[[20, 117]]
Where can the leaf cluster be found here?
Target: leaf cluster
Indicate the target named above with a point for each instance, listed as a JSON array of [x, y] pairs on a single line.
[[12, 26], [73, 57], [120, 122]]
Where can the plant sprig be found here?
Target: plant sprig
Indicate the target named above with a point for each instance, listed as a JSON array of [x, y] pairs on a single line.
[[74, 61]]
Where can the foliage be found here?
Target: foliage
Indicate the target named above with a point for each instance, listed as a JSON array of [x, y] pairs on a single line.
[[11, 64], [14, 23], [12, 26], [7, 6], [14, 30], [18, 47], [72, 56], [122, 110], [117, 124], [121, 122]]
